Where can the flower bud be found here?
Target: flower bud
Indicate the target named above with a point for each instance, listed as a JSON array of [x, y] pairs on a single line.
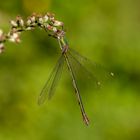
[[54, 29], [49, 27], [28, 22], [14, 38], [19, 21], [57, 23], [14, 23], [31, 21], [40, 20], [46, 18], [32, 18]]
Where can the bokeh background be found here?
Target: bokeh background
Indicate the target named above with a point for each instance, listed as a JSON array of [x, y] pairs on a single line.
[[107, 32]]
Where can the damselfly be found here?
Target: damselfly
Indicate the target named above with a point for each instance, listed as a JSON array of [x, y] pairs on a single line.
[[66, 56]]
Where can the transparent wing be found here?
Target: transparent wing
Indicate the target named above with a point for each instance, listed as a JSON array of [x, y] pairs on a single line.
[[97, 73], [82, 74], [50, 86]]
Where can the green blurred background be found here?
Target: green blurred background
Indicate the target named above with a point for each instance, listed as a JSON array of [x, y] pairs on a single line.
[[106, 31]]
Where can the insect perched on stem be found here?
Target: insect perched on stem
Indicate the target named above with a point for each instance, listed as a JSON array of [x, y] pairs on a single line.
[[66, 55], [55, 75], [54, 28]]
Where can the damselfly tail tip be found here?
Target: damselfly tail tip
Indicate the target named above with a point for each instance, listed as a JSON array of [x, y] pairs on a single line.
[[86, 120]]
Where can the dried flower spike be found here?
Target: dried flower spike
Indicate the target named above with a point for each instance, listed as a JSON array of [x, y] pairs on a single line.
[[46, 22]]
